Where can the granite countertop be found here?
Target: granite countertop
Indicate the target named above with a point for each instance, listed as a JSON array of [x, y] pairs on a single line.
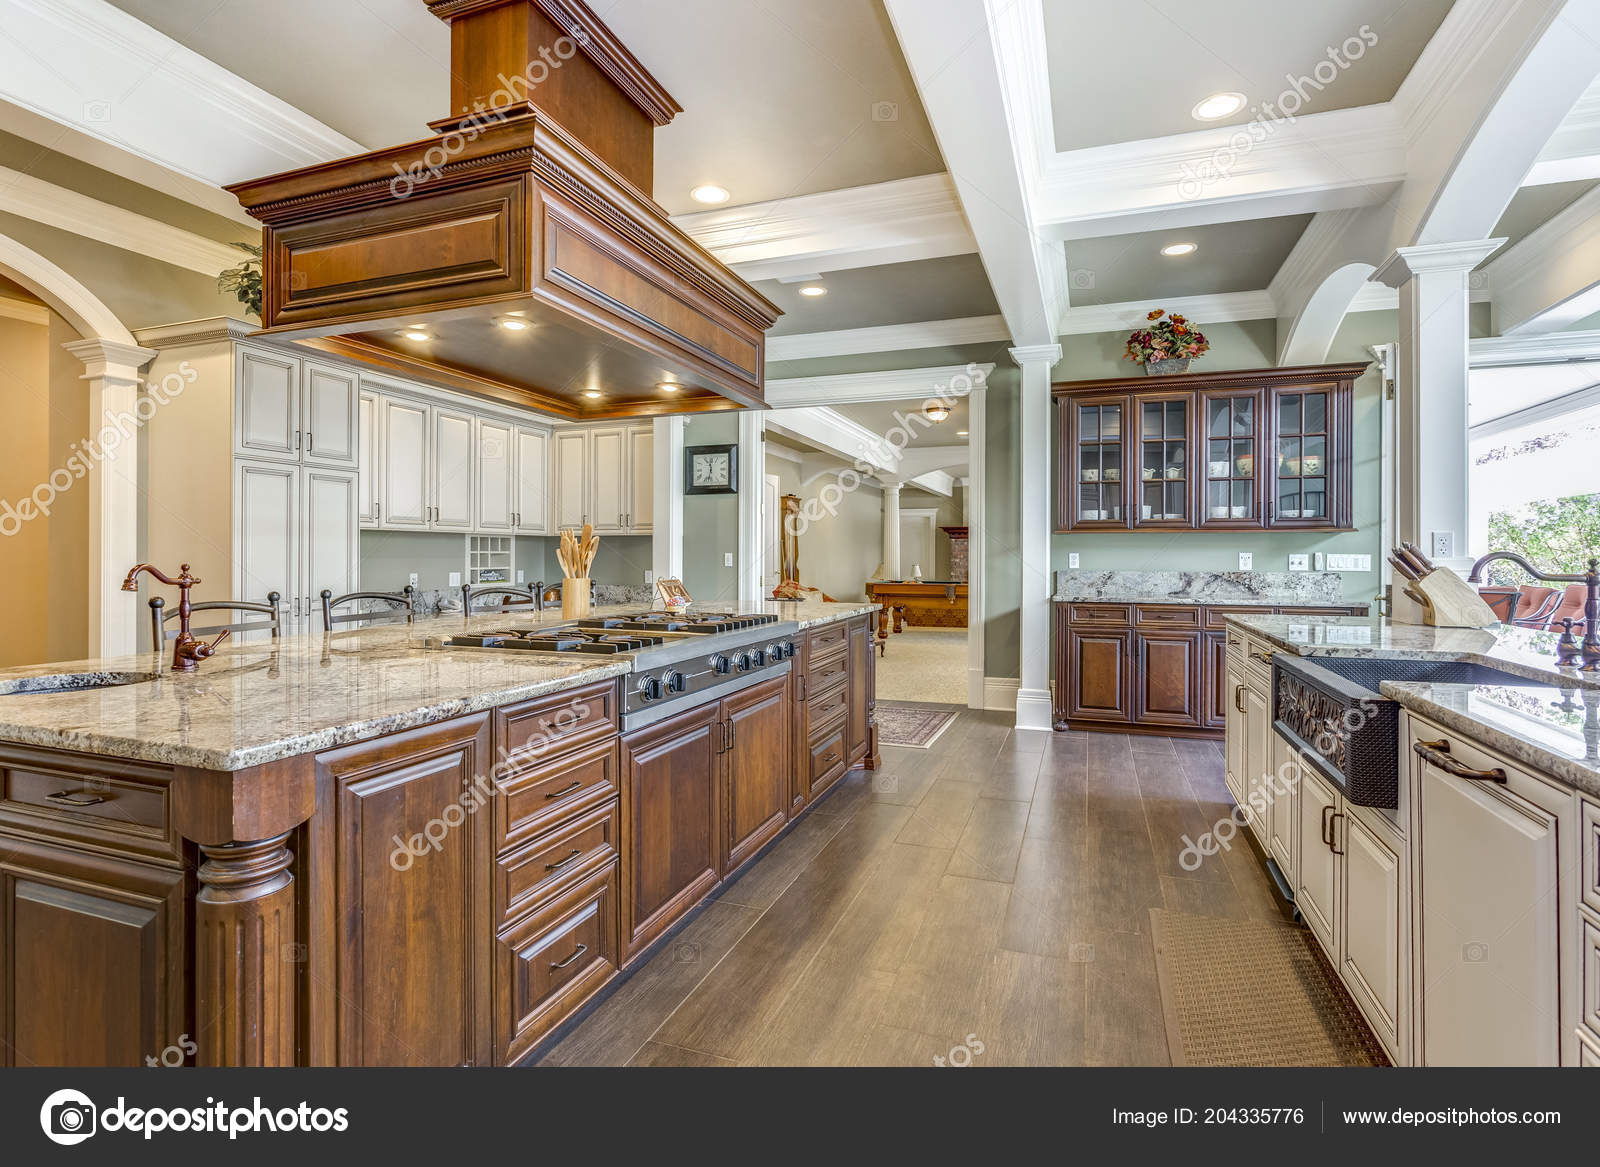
[[1113, 597], [1230, 589], [1553, 730], [260, 702]]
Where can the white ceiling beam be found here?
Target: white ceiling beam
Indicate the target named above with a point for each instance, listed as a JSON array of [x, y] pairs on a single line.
[[1533, 348], [834, 434], [88, 65], [1573, 152], [888, 338], [1551, 278], [861, 388], [922, 460], [68, 210], [962, 55], [864, 226], [1202, 310], [934, 482]]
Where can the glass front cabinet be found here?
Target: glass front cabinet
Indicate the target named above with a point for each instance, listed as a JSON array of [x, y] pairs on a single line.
[[1232, 450]]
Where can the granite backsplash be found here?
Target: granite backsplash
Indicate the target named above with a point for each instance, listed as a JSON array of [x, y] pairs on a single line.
[[1266, 588]]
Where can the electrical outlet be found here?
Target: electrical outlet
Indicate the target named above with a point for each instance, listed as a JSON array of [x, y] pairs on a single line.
[[522, 576], [1072, 560], [727, 559], [1444, 543], [1300, 562], [649, 576], [455, 579], [1246, 561], [1319, 562], [413, 578]]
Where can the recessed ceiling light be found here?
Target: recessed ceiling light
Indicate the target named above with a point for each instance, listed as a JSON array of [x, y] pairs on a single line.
[[513, 324], [593, 393], [1218, 105], [1176, 249], [415, 334], [709, 194], [813, 290], [669, 386], [936, 411], [961, 433]]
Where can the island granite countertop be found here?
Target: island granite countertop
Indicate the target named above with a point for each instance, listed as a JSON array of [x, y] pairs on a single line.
[[260, 702]]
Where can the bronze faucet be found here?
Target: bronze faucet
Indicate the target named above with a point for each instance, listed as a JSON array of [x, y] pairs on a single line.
[[1590, 651], [188, 650]]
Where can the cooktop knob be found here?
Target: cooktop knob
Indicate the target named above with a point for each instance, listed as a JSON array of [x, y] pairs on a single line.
[[649, 688], [758, 657], [677, 682], [742, 661], [721, 664]]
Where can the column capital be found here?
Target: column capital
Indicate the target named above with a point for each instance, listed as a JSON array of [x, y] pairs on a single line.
[[890, 487], [1408, 262], [110, 360], [1049, 354]]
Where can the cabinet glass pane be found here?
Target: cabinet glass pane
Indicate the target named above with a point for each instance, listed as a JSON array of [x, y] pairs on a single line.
[[1289, 457], [1219, 418], [1099, 463], [1313, 499], [1244, 504], [1315, 414], [1244, 415], [1177, 420], [1313, 455], [1089, 423], [1288, 498], [1289, 414]]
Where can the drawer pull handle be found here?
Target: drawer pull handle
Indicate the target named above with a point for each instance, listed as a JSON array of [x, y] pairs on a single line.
[[1233, 642], [563, 793], [582, 948], [73, 798], [1326, 842], [1238, 698], [560, 863], [1333, 833], [1438, 754], [1264, 657]]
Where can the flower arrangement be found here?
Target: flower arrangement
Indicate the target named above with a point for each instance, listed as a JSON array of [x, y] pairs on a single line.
[[1171, 338], [244, 281]]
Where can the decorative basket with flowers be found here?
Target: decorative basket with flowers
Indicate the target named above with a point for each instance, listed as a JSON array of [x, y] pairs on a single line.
[[1168, 345]]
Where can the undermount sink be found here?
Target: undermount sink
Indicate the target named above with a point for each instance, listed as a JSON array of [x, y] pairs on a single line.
[[71, 682]]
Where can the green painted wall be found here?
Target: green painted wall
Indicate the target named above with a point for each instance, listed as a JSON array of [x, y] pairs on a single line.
[[711, 521]]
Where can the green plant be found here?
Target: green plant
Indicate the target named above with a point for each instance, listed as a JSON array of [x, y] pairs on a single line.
[[1554, 534], [244, 281], [1171, 338]]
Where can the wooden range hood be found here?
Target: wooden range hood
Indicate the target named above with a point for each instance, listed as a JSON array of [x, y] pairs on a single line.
[[529, 206]]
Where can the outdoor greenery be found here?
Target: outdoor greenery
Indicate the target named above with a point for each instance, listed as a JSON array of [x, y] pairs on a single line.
[[1555, 534]]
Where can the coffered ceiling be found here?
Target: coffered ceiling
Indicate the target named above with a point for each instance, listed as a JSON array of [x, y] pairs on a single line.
[[898, 293], [1227, 257]]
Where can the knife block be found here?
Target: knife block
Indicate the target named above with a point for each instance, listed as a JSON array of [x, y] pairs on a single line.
[[574, 597], [1448, 601]]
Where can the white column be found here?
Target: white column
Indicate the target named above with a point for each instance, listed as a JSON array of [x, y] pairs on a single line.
[[965, 484], [752, 465], [666, 532], [112, 372], [1431, 488], [891, 530], [977, 542], [1033, 691]]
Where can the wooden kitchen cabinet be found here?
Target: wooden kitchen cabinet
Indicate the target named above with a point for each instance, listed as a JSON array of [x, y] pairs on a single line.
[[1097, 671], [1230, 450], [757, 762], [92, 953], [410, 933], [672, 822], [863, 685], [1167, 678]]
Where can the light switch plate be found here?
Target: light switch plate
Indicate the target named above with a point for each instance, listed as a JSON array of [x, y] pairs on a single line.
[[413, 578], [1349, 563], [727, 559], [1246, 561], [649, 576], [1301, 562], [1319, 562], [455, 579], [1072, 560], [1444, 543], [522, 576]]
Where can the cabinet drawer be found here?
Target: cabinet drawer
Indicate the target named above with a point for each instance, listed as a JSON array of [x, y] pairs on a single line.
[[532, 731], [826, 641], [1118, 614], [1258, 655], [1165, 617], [823, 708], [556, 859], [117, 805], [1589, 844], [552, 960], [826, 673], [829, 756], [1218, 617], [539, 799], [1589, 950]]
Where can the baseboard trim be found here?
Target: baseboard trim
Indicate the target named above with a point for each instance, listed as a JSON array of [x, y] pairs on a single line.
[[1000, 693], [1035, 709]]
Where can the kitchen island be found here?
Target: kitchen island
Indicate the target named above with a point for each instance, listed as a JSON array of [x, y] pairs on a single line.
[[1463, 915], [367, 849]]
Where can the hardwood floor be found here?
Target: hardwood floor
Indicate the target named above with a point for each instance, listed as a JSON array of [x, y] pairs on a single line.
[[992, 891]]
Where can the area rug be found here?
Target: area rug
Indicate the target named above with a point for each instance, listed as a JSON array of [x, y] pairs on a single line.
[[1251, 993], [913, 725]]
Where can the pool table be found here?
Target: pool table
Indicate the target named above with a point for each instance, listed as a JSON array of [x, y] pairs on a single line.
[[928, 603]]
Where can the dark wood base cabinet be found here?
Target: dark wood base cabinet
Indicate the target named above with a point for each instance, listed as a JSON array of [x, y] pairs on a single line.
[[1148, 668], [444, 895]]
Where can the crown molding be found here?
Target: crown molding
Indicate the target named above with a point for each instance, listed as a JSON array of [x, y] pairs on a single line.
[[135, 84], [861, 388], [188, 332], [1573, 152], [1451, 55], [1203, 310], [1533, 349], [1033, 354], [110, 360], [1405, 263], [888, 338], [68, 210], [863, 226], [27, 311]]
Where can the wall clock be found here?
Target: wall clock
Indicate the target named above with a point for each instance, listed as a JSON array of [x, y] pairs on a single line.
[[711, 469]]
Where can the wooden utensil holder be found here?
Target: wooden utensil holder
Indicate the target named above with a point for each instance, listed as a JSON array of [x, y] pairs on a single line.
[[574, 597]]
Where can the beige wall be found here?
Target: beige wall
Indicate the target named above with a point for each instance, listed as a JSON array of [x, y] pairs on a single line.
[[68, 635], [24, 464]]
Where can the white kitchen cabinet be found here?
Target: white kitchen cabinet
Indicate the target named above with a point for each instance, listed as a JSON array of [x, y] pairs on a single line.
[[571, 478], [608, 478], [405, 500], [1283, 811], [330, 538], [330, 399], [1372, 927], [266, 533], [452, 463], [531, 502], [266, 412], [1235, 733], [1316, 891], [368, 448], [641, 479], [1495, 909], [1257, 755], [497, 457]]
